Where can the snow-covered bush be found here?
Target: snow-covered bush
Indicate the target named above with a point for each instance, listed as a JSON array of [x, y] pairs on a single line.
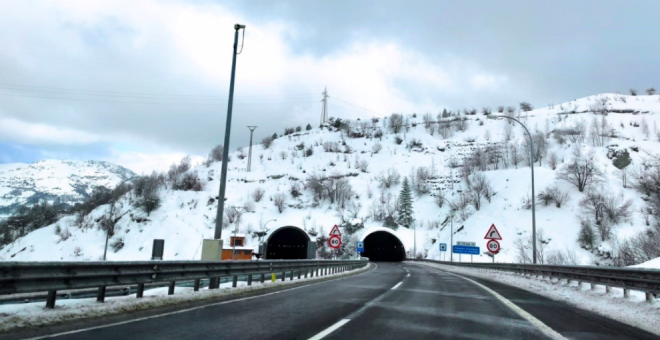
[[389, 178], [376, 148], [279, 200], [525, 106], [216, 153], [188, 182], [146, 192], [267, 141], [117, 244], [362, 165]]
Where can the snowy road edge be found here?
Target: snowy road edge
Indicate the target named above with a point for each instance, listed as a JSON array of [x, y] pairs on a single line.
[[43, 317], [637, 314]]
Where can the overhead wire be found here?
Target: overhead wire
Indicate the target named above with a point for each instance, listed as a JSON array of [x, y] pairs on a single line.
[[359, 107]]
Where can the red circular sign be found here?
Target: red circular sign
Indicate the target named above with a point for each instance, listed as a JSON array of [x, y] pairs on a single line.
[[334, 242], [493, 246]]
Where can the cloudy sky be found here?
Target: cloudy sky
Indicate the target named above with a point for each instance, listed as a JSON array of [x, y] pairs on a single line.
[[143, 83]]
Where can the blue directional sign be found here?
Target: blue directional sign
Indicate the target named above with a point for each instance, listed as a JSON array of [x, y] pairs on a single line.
[[443, 246], [466, 250], [360, 247]]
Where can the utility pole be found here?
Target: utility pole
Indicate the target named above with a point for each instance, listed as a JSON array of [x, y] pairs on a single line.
[[250, 153], [225, 153], [324, 108]]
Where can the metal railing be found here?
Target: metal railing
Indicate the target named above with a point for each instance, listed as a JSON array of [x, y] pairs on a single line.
[[640, 279], [51, 277]]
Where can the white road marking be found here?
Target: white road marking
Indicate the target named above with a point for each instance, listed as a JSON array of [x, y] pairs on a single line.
[[397, 285], [545, 329], [187, 309], [329, 330]]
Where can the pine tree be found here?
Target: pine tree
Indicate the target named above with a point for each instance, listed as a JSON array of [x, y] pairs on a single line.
[[405, 205], [275, 136], [309, 127], [445, 114]]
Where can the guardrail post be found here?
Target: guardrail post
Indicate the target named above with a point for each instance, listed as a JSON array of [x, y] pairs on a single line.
[[299, 274], [626, 293], [593, 286], [100, 296], [649, 297], [608, 289], [291, 276], [196, 286], [579, 284], [50, 301], [283, 276], [306, 271], [170, 288], [140, 290], [234, 281], [249, 280], [263, 278]]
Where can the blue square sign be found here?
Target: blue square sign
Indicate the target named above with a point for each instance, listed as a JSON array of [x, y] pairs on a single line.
[[360, 247], [443, 246]]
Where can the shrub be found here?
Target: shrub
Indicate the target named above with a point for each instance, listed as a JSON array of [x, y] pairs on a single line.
[[308, 127], [279, 200], [362, 165], [398, 140], [650, 91], [389, 178], [633, 92], [376, 148], [586, 235], [267, 141], [188, 182], [117, 244], [146, 192], [525, 106], [258, 194], [309, 152], [216, 153]]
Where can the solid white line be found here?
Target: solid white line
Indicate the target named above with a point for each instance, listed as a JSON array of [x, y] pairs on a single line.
[[397, 285], [186, 310], [545, 329], [329, 330]]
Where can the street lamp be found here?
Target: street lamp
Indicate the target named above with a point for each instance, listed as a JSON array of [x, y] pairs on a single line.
[[225, 153], [107, 231], [531, 162]]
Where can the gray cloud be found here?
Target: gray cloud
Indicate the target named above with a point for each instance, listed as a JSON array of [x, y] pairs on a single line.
[[388, 56]]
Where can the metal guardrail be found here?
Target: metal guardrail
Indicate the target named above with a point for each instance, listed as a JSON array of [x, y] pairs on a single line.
[[27, 277], [640, 279]]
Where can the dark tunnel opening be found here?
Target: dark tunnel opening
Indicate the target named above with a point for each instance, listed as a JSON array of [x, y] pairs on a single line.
[[287, 244], [383, 246]]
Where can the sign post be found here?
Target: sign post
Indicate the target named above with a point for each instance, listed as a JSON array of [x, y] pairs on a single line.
[[360, 248], [443, 249], [335, 238], [492, 236]]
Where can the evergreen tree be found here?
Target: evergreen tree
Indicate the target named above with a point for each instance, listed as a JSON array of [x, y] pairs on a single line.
[[445, 114], [275, 136], [405, 205], [309, 127]]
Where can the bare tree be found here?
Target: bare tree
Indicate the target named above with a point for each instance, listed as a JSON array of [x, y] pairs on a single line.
[[525, 106], [216, 153], [552, 160], [279, 200], [567, 257], [558, 195], [581, 172], [362, 165], [396, 122], [650, 91], [633, 92]]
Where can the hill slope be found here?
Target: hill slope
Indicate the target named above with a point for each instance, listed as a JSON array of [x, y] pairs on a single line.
[[600, 129]]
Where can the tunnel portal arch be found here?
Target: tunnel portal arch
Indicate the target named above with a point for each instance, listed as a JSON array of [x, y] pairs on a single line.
[[383, 245], [287, 243]]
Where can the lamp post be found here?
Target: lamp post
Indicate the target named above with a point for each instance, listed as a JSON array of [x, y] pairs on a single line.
[[107, 231], [225, 153], [531, 161]]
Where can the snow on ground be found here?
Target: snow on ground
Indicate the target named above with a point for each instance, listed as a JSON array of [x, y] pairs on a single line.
[[186, 218], [634, 311], [29, 315], [652, 264]]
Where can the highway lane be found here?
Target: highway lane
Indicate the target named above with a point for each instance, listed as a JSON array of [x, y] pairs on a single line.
[[394, 301]]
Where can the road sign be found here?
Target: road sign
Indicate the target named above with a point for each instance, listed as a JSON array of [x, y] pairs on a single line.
[[334, 242], [360, 247], [461, 243], [466, 250], [493, 246], [493, 234], [443, 246], [335, 231]]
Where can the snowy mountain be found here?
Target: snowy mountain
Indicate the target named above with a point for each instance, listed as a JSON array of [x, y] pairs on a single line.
[[68, 182], [467, 172]]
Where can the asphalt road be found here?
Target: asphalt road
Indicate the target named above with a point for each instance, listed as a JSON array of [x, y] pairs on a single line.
[[393, 301]]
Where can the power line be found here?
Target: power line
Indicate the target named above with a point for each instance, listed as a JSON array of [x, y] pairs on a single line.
[[359, 107], [19, 87], [155, 102]]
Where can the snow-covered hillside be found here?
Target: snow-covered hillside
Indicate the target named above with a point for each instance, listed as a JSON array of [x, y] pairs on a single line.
[[68, 181], [603, 128]]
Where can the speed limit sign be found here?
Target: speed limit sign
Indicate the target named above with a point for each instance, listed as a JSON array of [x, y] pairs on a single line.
[[493, 246], [334, 242]]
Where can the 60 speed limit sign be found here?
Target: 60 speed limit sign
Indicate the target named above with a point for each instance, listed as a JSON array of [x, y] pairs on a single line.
[[334, 242], [493, 246]]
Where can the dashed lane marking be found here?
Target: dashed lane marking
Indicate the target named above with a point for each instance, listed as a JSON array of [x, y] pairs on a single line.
[[329, 330]]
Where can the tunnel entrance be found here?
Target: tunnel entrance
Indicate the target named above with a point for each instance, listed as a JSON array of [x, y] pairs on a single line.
[[287, 243], [383, 246]]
